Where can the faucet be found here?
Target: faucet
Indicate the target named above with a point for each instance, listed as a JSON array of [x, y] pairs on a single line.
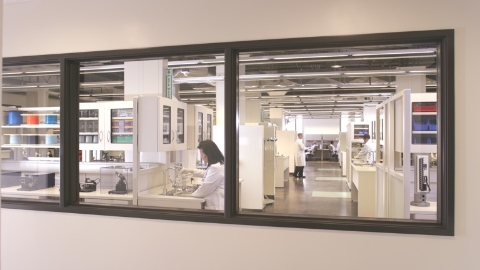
[[176, 168], [166, 176]]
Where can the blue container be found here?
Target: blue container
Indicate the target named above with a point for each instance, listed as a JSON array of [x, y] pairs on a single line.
[[15, 118], [51, 139], [15, 139], [420, 125], [33, 139], [50, 119], [432, 125]]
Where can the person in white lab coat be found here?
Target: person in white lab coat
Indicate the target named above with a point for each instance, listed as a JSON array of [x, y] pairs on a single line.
[[213, 186], [368, 150], [299, 157]]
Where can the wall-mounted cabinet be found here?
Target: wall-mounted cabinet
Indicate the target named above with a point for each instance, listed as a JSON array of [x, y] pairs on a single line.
[[106, 125], [161, 124], [200, 125]]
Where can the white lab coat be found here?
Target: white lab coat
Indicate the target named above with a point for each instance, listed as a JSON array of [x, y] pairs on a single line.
[[299, 153], [213, 186], [367, 152]]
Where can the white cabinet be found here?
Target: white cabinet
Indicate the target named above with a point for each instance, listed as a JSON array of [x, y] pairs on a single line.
[[106, 125], [161, 124], [34, 131], [200, 123]]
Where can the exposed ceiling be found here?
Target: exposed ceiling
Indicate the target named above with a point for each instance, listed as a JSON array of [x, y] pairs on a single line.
[[323, 83]]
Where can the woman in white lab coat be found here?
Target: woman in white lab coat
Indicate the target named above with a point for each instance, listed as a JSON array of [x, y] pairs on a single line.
[[299, 157], [213, 186]]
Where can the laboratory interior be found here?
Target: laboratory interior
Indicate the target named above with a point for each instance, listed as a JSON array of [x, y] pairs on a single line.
[[367, 115]]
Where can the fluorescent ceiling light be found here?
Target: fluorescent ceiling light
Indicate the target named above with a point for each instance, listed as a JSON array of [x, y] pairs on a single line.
[[101, 67], [101, 84], [312, 74], [423, 71], [336, 66], [12, 73], [396, 52], [375, 72], [198, 79], [252, 59], [363, 86], [183, 63], [19, 87], [308, 56]]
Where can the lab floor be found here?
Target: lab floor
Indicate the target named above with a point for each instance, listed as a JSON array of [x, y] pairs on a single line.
[[323, 192]]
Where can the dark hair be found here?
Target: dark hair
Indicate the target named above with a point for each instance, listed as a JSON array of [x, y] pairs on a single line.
[[366, 136], [210, 149], [331, 142]]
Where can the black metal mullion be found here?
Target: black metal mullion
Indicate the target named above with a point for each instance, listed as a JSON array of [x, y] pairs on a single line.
[[231, 132], [69, 171]]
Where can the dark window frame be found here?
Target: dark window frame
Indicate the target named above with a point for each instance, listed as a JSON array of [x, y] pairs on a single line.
[[69, 64]]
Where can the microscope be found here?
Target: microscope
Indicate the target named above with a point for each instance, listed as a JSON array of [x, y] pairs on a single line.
[[121, 186], [422, 180]]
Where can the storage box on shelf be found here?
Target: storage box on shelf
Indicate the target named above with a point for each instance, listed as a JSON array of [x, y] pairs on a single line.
[[106, 125]]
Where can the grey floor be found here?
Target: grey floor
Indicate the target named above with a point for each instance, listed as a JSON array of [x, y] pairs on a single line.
[[323, 192]]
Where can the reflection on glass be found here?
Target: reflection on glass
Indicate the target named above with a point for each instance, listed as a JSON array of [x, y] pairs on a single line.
[[122, 126], [200, 126], [167, 118], [319, 91], [30, 141], [180, 125], [209, 126]]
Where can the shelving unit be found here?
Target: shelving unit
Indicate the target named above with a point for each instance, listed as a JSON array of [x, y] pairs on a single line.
[[403, 124], [34, 129]]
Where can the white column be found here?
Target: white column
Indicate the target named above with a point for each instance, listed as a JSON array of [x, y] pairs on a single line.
[[37, 98], [254, 112], [416, 83], [369, 113], [220, 98], [277, 117], [241, 101]]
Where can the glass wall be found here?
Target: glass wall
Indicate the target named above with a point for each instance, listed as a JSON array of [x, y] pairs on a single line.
[[30, 132], [296, 160], [149, 135]]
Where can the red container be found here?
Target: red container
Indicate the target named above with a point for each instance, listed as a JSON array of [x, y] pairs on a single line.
[[32, 119]]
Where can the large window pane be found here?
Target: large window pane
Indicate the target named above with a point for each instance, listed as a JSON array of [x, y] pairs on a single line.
[[30, 132], [149, 132], [348, 131]]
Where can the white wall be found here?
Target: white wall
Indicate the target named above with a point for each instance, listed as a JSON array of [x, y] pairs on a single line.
[[321, 126], [55, 241]]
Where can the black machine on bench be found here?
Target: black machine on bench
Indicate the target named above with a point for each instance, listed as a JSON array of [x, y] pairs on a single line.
[[36, 181]]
